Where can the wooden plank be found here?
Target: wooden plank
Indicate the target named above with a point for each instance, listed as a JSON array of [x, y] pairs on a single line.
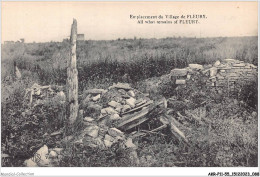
[[159, 128], [150, 132], [173, 120], [132, 120], [138, 108], [140, 103], [133, 117], [175, 130], [139, 121]]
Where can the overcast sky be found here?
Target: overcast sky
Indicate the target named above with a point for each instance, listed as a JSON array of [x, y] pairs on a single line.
[[46, 21]]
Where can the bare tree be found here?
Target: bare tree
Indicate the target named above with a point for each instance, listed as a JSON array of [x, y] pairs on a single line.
[[72, 77]]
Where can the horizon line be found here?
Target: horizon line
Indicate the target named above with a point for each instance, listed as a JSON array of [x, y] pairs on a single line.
[[133, 38]]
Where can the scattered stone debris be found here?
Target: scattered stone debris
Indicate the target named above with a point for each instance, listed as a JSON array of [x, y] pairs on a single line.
[[107, 116], [229, 72], [37, 93], [44, 157], [113, 115], [221, 74], [122, 108]]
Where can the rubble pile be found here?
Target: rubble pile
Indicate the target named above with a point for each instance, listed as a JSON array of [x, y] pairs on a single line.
[[115, 114], [230, 72], [109, 116], [36, 93], [227, 73], [45, 157]]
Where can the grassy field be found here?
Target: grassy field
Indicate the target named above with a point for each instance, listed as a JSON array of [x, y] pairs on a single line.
[[110, 60], [230, 139]]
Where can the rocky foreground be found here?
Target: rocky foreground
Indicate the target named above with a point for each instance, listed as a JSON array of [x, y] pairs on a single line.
[[116, 114]]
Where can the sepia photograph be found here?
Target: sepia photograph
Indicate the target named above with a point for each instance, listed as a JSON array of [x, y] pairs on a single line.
[[129, 84]]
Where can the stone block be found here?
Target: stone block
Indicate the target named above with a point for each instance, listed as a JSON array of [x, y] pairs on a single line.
[[252, 66], [231, 60], [115, 117], [131, 93], [114, 104], [196, 66], [131, 102], [129, 144], [88, 119], [96, 98], [180, 82], [108, 140], [179, 72], [213, 71], [114, 132], [126, 108], [217, 63], [92, 131], [108, 110], [239, 65], [95, 91]]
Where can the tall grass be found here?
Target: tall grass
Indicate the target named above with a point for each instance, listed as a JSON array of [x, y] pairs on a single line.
[[110, 60]]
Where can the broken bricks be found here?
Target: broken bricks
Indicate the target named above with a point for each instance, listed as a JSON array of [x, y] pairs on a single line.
[[130, 110], [114, 132], [96, 98], [126, 108], [114, 104], [196, 66], [95, 91], [122, 105], [131, 102], [115, 117], [92, 131], [129, 144], [108, 140], [220, 70], [180, 82], [108, 110], [88, 119], [179, 72], [131, 93]]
